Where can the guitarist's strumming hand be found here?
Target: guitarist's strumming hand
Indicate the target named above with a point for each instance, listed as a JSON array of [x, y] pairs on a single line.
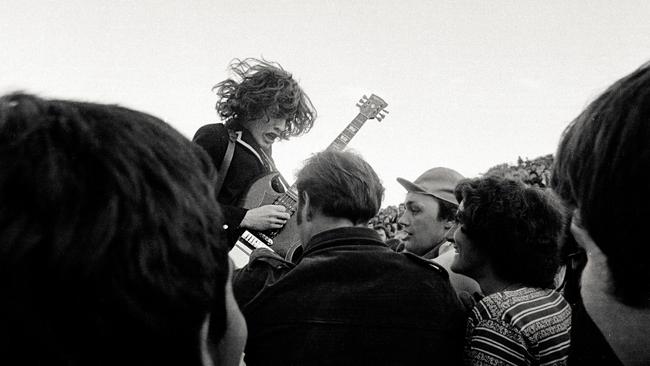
[[265, 218]]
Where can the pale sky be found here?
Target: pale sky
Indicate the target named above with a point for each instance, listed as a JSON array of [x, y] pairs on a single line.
[[470, 84]]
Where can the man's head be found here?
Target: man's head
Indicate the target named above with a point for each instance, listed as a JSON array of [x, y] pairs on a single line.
[[111, 247], [430, 206], [265, 99], [337, 185], [507, 229], [602, 169]]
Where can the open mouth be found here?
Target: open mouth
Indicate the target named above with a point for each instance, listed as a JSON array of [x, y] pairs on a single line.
[[271, 136]]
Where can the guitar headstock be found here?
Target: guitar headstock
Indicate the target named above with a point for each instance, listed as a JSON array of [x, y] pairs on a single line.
[[372, 107]]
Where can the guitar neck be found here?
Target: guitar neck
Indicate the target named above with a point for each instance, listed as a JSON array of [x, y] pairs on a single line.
[[370, 108], [348, 133], [341, 141]]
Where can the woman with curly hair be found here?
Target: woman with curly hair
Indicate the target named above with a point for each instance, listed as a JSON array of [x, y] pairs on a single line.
[[261, 104], [506, 238]]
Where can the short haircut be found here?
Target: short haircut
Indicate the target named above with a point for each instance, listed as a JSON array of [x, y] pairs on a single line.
[[602, 167], [263, 89], [341, 184], [111, 241], [517, 227]]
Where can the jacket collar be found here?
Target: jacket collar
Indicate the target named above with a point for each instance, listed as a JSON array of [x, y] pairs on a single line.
[[342, 236], [246, 140]]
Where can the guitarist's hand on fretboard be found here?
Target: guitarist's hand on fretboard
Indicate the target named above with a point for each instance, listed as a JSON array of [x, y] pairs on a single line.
[[269, 217]]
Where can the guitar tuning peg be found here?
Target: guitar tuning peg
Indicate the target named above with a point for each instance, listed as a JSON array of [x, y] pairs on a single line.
[[365, 97], [379, 118], [386, 111], [358, 105]]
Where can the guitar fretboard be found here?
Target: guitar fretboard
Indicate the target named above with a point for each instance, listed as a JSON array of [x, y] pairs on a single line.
[[348, 133], [288, 199]]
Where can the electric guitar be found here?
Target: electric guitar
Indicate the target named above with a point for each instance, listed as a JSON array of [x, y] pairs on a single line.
[[269, 190]]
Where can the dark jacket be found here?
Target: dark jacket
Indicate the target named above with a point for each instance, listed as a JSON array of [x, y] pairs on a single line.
[[352, 300], [246, 167]]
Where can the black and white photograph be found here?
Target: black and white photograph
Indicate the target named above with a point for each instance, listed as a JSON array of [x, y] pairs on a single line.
[[333, 182]]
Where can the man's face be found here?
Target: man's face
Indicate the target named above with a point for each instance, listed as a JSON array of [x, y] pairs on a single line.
[[266, 132], [423, 231]]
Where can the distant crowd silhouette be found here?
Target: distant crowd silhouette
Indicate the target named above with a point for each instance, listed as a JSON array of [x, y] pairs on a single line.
[[116, 234]]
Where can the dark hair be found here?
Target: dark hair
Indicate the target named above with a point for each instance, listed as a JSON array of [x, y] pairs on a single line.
[[446, 210], [602, 167], [263, 89], [341, 184], [517, 227], [111, 241]]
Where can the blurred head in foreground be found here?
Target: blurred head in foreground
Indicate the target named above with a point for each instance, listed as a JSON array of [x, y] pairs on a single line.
[[602, 171], [111, 248]]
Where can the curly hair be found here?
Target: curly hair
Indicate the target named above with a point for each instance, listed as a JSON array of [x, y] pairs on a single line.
[[517, 227], [263, 89], [602, 167]]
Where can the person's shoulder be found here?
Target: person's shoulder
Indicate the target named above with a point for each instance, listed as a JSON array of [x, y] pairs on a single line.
[[264, 267], [262, 259], [211, 131], [509, 304], [426, 264], [263, 256]]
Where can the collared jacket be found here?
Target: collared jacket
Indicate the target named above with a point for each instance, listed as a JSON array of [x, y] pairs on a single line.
[[246, 167], [350, 300]]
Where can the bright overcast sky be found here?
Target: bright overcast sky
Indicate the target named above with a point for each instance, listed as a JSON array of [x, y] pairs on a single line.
[[470, 84]]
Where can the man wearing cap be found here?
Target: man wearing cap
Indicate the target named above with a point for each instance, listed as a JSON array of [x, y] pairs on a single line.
[[430, 210], [430, 213]]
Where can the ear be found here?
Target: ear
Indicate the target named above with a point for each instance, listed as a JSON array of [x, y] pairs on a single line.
[[309, 212]]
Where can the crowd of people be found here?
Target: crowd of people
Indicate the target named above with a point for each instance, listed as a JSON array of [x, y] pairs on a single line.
[[116, 231]]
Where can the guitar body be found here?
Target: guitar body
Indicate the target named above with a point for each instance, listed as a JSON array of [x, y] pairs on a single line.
[[266, 191]]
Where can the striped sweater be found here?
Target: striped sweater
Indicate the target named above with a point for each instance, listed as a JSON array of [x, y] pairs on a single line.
[[528, 326]]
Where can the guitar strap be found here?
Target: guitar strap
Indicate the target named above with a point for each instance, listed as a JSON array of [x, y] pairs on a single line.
[[227, 159], [271, 164]]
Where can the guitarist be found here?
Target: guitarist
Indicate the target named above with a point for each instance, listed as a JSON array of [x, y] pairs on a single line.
[[260, 105]]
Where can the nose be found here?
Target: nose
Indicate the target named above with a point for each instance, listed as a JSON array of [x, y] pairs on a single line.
[[451, 233]]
